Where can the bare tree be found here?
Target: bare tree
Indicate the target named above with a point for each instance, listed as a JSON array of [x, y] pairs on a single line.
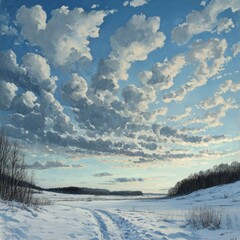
[[221, 174], [15, 182]]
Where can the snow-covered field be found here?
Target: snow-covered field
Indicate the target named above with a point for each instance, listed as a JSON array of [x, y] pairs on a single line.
[[109, 218]]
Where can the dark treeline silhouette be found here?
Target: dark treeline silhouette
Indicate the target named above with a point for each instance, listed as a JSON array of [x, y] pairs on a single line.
[[15, 182], [218, 175], [93, 191]]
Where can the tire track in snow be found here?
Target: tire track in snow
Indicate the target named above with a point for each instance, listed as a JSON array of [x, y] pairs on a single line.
[[129, 231], [108, 226], [102, 226]]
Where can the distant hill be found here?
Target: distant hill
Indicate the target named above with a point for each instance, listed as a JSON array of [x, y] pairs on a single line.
[[218, 175], [92, 191]]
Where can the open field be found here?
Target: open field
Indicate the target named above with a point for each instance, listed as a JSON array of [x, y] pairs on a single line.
[[94, 218]]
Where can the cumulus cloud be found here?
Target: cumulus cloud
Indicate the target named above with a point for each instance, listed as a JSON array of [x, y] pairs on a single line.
[[103, 120], [98, 108], [75, 89], [39, 72], [56, 119], [33, 74], [137, 99], [64, 38], [207, 20], [35, 101], [36, 116], [210, 58], [131, 43], [25, 102], [28, 126], [99, 119], [7, 93], [51, 164], [162, 74], [10, 69]]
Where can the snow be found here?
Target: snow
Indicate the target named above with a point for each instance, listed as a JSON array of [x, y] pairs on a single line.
[[115, 218]]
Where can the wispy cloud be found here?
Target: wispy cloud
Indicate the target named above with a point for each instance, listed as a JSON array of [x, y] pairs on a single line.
[[103, 174], [125, 180], [52, 164]]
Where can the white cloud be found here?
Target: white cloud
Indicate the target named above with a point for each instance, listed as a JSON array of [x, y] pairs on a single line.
[[212, 102], [210, 58], [137, 3], [131, 43], [32, 20], [225, 24], [37, 103], [95, 6], [217, 99], [187, 113], [65, 37], [153, 116], [51, 108], [75, 89], [229, 85], [162, 74], [9, 68], [25, 102], [135, 41], [236, 49], [137, 99], [7, 93], [213, 118], [6, 28], [39, 72], [207, 20]]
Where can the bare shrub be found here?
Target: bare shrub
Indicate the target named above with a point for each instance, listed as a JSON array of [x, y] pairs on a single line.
[[15, 182], [204, 217]]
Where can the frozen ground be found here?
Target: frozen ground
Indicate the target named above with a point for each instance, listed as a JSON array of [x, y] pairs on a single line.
[[109, 218]]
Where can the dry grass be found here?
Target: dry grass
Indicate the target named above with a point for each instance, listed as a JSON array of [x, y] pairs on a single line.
[[204, 217]]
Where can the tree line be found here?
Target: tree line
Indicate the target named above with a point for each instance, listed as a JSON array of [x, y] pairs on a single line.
[[218, 175]]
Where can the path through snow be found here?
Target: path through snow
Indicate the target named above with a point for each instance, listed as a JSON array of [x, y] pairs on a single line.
[[110, 219]]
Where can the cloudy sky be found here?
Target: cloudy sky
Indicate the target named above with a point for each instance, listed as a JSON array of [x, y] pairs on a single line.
[[121, 94]]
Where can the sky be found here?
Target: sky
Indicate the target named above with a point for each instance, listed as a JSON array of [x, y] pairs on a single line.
[[122, 95]]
